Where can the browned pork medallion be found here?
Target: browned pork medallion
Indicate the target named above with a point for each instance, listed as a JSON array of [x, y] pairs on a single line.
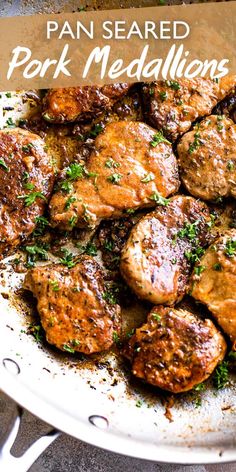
[[215, 283], [207, 158], [172, 106], [78, 103], [130, 167], [157, 258], [175, 350], [73, 306], [26, 177]]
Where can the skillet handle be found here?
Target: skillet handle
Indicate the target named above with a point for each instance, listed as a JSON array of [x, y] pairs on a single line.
[[9, 463]]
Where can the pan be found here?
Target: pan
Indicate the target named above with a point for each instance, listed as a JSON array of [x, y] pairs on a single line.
[[96, 400]]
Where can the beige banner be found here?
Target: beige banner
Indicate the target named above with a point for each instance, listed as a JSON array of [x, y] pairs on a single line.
[[131, 45]]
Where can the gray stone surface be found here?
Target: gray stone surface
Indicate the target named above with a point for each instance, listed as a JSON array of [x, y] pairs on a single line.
[[67, 454]]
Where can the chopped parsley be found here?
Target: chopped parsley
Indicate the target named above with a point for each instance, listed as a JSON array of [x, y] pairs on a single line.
[[139, 403], [27, 147], [111, 163], [109, 297], [158, 138], [200, 387], [31, 197], [230, 247], [221, 375], [3, 165], [68, 259], [41, 222], [217, 266], [37, 332], [72, 221], [108, 245], [97, 129], [230, 165], [116, 337], [29, 186], [147, 178], [10, 123], [195, 144], [189, 230], [69, 201], [55, 285], [156, 316], [199, 269], [68, 349], [194, 255], [114, 178], [74, 171], [36, 252], [173, 84], [91, 249], [66, 186], [159, 199], [163, 96]]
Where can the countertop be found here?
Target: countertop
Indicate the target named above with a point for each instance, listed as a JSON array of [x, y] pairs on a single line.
[[67, 454]]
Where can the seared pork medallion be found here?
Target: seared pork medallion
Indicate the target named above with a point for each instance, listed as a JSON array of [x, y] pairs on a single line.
[[175, 350], [157, 258], [215, 283], [172, 106], [130, 167], [26, 177], [73, 306], [78, 103], [207, 158]]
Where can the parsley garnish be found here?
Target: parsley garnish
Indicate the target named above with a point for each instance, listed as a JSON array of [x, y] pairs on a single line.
[[156, 316], [163, 96], [159, 199], [69, 201], [194, 255], [55, 285], [217, 266], [221, 375], [200, 387], [97, 129], [37, 332], [109, 297], [158, 138], [195, 144], [173, 84], [67, 260], [114, 178], [72, 221], [230, 165], [91, 249], [230, 247], [148, 178], [36, 252], [68, 349], [41, 222], [199, 269], [10, 123], [111, 163], [31, 197], [189, 230], [75, 171], [27, 147], [66, 186], [3, 165], [116, 337]]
